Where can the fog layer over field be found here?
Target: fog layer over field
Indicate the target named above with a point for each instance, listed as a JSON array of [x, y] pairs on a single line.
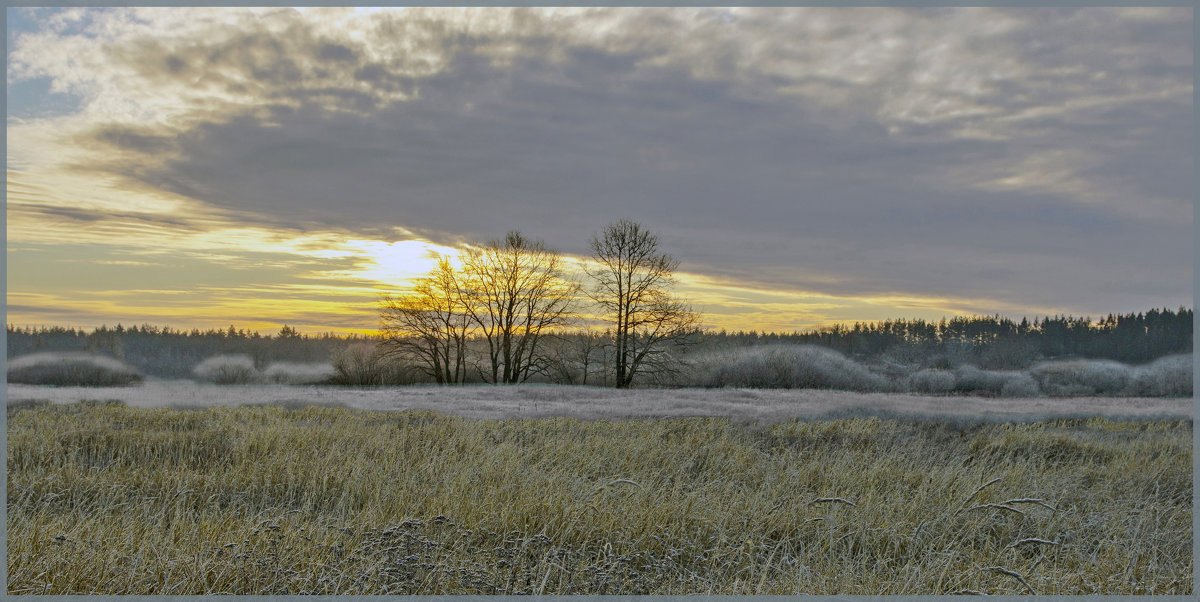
[[533, 401]]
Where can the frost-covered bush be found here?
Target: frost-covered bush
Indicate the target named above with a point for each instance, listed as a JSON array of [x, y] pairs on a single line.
[[931, 381], [71, 369], [785, 367], [1082, 377], [292, 373], [969, 379], [1020, 385], [236, 369], [1170, 375], [359, 364]]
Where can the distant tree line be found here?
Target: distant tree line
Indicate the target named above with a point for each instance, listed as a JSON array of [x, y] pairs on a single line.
[[170, 353], [588, 356], [994, 341]]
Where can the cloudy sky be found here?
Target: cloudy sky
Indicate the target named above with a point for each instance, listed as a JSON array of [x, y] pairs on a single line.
[[207, 167]]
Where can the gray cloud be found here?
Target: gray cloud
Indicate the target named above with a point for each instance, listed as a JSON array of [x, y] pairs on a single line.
[[143, 141], [91, 217], [1039, 157]]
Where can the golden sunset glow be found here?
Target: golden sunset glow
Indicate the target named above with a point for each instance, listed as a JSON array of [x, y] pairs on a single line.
[[394, 264]]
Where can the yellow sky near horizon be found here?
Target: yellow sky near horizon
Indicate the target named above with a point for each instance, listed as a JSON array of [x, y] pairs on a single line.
[[145, 257], [139, 256], [336, 287]]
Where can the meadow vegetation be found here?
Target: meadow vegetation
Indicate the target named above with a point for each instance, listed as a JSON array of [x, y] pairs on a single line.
[[104, 498], [990, 356], [299, 373], [240, 369], [71, 369], [810, 366], [227, 370], [783, 367], [761, 367], [1170, 375]]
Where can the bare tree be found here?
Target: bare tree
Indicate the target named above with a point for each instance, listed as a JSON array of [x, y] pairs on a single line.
[[633, 282], [430, 324], [515, 294]]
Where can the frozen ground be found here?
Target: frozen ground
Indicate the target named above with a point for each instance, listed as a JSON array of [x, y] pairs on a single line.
[[591, 402]]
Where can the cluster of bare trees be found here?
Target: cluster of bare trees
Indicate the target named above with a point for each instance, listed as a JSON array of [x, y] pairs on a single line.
[[497, 315]]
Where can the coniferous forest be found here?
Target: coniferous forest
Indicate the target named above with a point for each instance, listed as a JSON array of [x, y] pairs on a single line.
[[1003, 343]]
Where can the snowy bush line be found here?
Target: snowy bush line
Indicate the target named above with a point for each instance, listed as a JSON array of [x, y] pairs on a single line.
[[297, 373], [71, 369], [931, 381], [780, 366], [239, 369], [785, 367], [358, 364], [806, 366], [1171, 375]]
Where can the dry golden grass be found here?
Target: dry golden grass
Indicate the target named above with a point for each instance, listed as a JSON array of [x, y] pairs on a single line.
[[103, 498]]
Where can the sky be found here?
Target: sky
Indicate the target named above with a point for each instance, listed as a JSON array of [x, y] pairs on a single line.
[[201, 167]]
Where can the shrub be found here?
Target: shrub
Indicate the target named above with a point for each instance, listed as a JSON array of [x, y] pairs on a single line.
[[1082, 377], [892, 369], [968, 378], [1170, 375], [234, 369], [786, 367], [359, 364], [931, 381], [77, 369], [292, 373], [1020, 385]]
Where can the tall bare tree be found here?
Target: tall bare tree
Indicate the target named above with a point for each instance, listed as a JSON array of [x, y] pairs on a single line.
[[430, 324], [516, 294], [632, 285]]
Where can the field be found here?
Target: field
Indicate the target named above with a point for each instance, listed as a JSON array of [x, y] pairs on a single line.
[[290, 499], [535, 401]]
